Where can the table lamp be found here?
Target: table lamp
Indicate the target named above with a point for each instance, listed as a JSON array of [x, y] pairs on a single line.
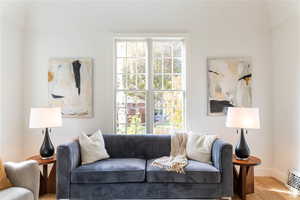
[[243, 119], [45, 118]]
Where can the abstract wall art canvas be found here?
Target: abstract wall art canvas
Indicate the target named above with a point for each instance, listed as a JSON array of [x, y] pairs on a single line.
[[70, 86], [229, 84]]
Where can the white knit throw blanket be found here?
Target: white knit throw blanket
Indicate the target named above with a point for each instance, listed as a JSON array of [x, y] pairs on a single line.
[[177, 159]]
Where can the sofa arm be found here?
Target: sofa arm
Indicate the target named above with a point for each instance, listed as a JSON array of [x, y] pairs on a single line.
[[68, 158], [24, 174], [222, 159]]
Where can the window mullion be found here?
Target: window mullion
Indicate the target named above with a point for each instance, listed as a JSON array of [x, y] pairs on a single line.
[[126, 118], [150, 107], [172, 65], [126, 86]]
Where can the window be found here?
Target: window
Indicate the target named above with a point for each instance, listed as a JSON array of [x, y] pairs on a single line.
[[150, 85]]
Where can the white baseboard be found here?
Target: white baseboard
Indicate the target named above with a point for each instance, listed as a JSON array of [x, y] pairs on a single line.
[[275, 173], [263, 171], [279, 175]]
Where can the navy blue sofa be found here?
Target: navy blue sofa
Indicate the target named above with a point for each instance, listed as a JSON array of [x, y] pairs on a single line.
[[128, 173]]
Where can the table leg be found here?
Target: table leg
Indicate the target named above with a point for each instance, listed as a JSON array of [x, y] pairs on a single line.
[[235, 180], [243, 174], [42, 184], [52, 180], [44, 180], [244, 181], [250, 180]]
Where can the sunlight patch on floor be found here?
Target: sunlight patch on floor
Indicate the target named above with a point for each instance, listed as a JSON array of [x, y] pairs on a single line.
[[289, 192]]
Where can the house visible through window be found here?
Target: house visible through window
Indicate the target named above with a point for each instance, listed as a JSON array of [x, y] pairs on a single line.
[[150, 85]]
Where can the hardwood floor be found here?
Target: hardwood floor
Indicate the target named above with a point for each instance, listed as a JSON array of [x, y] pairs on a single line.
[[266, 188], [48, 197]]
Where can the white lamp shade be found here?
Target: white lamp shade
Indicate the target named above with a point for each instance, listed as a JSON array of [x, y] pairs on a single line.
[[238, 117], [45, 117]]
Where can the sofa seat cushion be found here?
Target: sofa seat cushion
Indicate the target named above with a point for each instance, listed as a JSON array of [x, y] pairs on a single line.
[[195, 172], [16, 193], [113, 170]]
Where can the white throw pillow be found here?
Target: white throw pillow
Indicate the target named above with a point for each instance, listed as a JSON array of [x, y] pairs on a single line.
[[92, 147], [199, 147]]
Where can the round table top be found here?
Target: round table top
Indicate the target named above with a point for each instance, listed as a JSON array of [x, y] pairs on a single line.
[[43, 161], [251, 161]]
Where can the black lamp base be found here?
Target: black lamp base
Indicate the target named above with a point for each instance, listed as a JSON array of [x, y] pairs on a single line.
[[242, 150], [241, 158], [47, 148], [46, 158]]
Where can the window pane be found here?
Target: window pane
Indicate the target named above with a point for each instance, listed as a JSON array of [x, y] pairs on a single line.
[[162, 129], [167, 49], [136, 118], [141, 66], [168, 111], [157, 65], [131, 49], [131, 82], [141, 82], [121, 49], [167, 82], [158, 100], [157, 49], [132, 115], [121, 81], [121, 117], [131, 65], [167, 65], [136, 129], [159, 115], [177, 65], [177, 49], [121, 128], [121, 65], [141, 49], [177, 82], [136, 97], [135, 115], [157, 82], [120, 99]]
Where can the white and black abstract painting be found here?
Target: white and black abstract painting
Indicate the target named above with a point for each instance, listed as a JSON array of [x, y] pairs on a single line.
[[70, 86], [229, 84]]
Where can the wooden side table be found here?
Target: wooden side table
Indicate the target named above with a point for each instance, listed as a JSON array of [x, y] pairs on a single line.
[[47, 183], [244, 180]]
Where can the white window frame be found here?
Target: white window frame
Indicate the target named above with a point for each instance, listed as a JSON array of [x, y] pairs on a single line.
[[149, 117]]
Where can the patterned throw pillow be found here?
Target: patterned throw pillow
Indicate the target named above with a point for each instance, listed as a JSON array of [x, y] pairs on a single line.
[[4, 182]]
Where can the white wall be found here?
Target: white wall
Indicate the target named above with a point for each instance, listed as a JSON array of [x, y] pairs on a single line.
[[285, 17], [231, 28], [1, 69], [11, 78]]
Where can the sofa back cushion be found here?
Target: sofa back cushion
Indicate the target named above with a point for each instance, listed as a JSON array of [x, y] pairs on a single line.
[[137, 146]]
